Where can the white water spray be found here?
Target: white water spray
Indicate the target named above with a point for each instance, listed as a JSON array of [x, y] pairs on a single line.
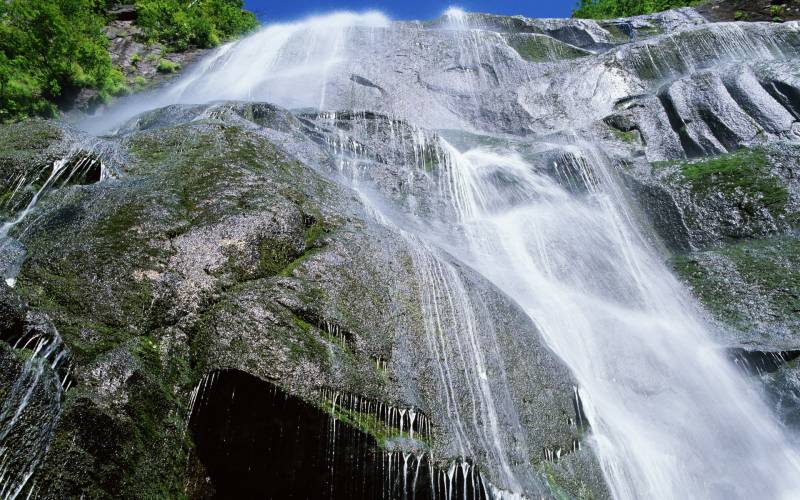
[[288, 64], [671, 417]]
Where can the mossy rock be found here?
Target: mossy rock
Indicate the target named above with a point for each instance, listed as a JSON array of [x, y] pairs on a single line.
[[750, 193], [543, 48], [27, 152], [743, 173], [211, 248], [752, 287]]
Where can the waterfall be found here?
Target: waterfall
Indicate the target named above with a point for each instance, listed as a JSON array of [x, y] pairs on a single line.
[[670, 417], [35, 394], [465, 345], [287, 64]]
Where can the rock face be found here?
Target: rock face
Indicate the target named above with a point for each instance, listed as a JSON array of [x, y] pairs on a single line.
[[236, 237], [749, 10], [211, 248]]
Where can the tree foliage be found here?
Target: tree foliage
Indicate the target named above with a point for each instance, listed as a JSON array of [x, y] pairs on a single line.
[[49, 48], [52, 49], [202, 23], [607, 9]]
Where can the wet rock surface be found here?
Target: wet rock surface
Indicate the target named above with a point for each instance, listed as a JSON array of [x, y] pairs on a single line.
[[223, 237], [213, 248], [750, 10]]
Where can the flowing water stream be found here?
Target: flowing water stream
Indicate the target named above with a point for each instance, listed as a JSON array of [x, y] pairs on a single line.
[[670, 416]]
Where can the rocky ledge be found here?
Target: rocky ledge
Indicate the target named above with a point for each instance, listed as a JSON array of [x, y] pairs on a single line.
[[205, 246]]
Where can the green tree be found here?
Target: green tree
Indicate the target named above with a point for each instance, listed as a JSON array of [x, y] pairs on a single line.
[[50, 49], [201, 23], [606, 9]]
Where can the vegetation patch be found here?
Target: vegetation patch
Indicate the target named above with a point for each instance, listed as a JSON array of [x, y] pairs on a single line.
[[743, 172], [766, 273], [609, 9], [629, 136], [167, 66], [542, 48], [200, 23], [50, 50]]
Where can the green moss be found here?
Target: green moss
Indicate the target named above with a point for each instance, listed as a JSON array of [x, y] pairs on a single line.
[[541, 48], [212, 158], [668, 63], [157, 414], [167, 66], [565, 484], [774, 267], [116, 230], [317, 229], [743, 172], [631, 137], [89, 327], [616, 34], [306, 345], [302, 324], [769, 271], [710, 288], [294, 264], [368, 424], [141, 451], [274, 257], [557, 492], [30, 135], [139, 83], [648, 31], [608, 9]]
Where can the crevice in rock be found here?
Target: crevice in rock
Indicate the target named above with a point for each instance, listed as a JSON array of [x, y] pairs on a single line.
[[786, 95], [360, 80], [691, 148], [761, 362], [329, 329], [721, 132], [580, 416], [81, 169], [255, 440], [33, 333], [660, 208]]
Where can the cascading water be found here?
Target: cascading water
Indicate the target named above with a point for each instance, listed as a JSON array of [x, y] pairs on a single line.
[[35, 394], [670, 417], [612, 311], [453, 329], [76, 164], [286, 64]]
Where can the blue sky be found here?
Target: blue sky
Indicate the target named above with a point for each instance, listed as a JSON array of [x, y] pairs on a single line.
[[281, 10]]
